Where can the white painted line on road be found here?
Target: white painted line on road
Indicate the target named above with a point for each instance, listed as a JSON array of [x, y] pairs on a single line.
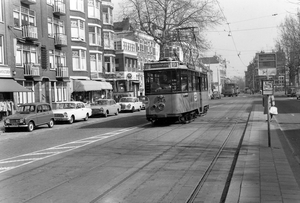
[[14, 162]]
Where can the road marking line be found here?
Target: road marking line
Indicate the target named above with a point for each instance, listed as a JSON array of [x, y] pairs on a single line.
[[52, 151]]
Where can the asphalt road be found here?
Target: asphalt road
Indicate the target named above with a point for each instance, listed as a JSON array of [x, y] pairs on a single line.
[[125, 159]]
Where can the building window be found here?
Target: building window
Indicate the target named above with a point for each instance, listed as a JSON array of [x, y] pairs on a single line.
[[79, 59], [108, 40], [77, 29], [1, 49], [55, 26], [96, 62], [50, 2], [1, 12], [109, 64], [23, 16], [57, 59], [118, 45], [95, 35], [26, 97], [26, 54], [94, 9], [108, 15], [77, 5]]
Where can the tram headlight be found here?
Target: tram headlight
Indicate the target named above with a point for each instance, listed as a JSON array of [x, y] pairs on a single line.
[[161, 106]]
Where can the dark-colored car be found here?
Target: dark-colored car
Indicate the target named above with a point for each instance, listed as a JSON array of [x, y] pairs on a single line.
[[29, 116], [291, 92], [216, 95]]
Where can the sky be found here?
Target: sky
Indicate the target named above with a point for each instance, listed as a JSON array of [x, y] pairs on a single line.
[[252, 26]]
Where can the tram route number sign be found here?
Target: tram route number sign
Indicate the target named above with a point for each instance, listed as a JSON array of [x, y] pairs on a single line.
[[267, 64], [267, 87]]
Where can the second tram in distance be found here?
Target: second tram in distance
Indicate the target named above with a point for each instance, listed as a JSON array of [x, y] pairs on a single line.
[[175, 92]]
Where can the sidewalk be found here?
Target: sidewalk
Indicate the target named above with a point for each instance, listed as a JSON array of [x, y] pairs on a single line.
[[262, 173]]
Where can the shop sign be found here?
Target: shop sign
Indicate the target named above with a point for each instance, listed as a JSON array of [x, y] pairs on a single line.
[[5, 72], [129, 75]]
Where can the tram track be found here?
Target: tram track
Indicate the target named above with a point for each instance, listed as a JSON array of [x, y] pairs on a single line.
[[180, 146], [195, 192]]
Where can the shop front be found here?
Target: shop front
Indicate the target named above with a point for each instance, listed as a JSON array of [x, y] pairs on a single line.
[[89, 91], [8, 96]]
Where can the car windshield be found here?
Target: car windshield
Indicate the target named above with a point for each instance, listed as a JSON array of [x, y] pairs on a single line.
[[124, 99], [26, 109], [64, 106], [101, 102]]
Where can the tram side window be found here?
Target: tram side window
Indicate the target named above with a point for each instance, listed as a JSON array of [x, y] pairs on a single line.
[[184, 83], [197, 83]]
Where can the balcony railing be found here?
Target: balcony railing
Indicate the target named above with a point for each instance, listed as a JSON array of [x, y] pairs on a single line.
[[28, 2], [62, 72], [60, 40], [59, 8], [30, 32], [31, 69]]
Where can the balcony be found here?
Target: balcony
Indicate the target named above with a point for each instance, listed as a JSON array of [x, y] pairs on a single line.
[[28, 2], [62, 72], [29, 32], [31, 69], [59, 8], [60, 40]]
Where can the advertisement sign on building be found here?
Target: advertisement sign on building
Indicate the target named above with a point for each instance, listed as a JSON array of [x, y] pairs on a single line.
[[267, 64]]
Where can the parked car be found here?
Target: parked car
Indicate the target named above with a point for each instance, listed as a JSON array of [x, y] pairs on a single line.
[[216, 95], [130, 104], [71, 111], [105, 107], [29, 116], [291, 92], [144, 101]]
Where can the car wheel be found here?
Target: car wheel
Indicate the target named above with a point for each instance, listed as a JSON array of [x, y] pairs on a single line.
[[86, 117], [71, 120], [30, 126], [133, 109], [105, 114], [51, 123]]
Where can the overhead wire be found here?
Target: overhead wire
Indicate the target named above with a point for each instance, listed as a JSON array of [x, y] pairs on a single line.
[[230, 33]]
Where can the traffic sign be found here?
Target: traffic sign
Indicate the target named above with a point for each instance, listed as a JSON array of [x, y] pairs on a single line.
[[267, 87]]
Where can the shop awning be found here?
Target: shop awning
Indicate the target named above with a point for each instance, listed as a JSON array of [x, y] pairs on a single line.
[[10, 85], [90, 85]]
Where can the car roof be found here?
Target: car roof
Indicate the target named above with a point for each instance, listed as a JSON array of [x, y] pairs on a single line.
[[35, 103], [68, 102]]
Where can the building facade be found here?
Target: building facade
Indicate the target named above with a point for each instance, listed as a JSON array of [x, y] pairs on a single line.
[[57, 49]]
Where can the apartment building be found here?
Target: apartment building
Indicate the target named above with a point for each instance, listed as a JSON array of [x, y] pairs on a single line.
[[56, 50], [146, 50]]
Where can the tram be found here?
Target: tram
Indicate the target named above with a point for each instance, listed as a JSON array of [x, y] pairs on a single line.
[[175, 92]]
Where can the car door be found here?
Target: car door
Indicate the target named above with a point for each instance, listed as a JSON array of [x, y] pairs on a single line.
[[39, 118], [80, 110], [113, 106]]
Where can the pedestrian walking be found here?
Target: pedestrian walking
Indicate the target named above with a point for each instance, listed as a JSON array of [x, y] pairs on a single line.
[[268, 101]]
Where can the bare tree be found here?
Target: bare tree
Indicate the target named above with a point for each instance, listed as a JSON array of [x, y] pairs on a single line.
[[289, 41], [173, 21]]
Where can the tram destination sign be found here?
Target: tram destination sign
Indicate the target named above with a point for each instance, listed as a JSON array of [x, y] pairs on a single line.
[[267, 64]]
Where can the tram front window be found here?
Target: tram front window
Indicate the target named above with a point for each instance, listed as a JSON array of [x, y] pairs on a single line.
[[162, 83]]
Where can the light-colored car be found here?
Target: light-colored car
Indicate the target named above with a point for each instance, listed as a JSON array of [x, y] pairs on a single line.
[[71, 111], [29, 116], [105, 107], [130, 104], [144, 100]]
